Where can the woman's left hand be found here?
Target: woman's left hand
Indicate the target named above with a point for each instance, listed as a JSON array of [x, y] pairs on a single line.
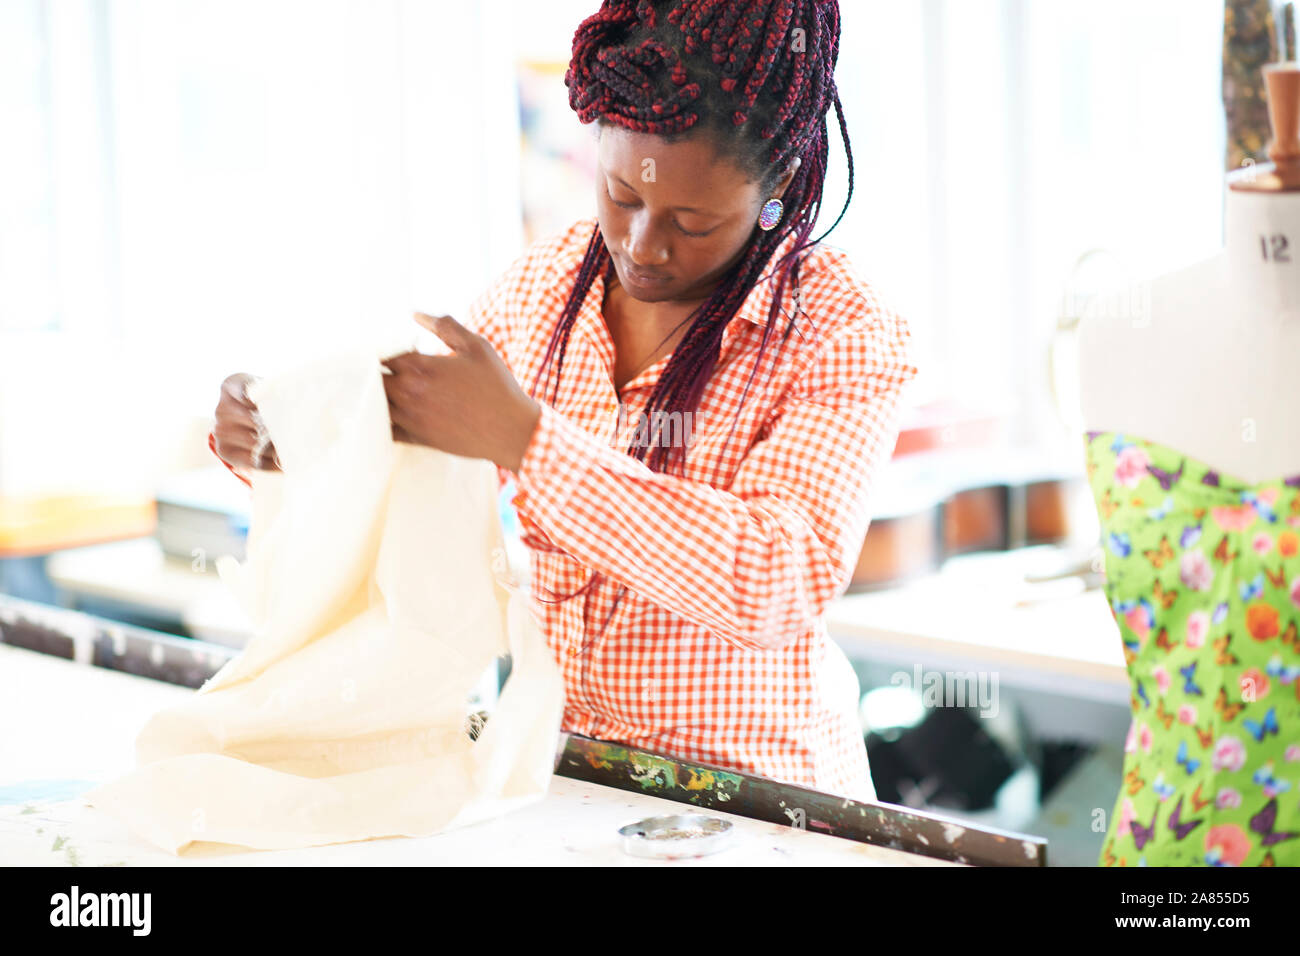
[[467, 403]]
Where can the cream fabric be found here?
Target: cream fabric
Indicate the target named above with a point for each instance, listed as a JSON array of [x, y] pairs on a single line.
[[379, 591]]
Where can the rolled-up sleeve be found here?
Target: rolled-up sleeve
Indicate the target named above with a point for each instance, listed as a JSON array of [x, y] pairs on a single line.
[[757, 563]]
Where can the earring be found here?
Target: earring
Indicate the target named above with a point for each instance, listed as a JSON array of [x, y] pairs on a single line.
[[770, 215]]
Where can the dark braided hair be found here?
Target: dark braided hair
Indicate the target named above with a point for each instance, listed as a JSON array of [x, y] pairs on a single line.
[[738, 71]]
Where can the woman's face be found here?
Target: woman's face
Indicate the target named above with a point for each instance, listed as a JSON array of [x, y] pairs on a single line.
[[675, 217]]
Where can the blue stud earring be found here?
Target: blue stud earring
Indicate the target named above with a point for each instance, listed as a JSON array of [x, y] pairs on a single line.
[[770, 215]]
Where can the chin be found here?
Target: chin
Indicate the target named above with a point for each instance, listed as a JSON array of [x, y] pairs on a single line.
[[643, 295], [660, 292]]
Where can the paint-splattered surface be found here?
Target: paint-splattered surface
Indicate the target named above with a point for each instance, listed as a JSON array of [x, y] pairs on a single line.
[[78, 725], [786, 805], [576, 825]]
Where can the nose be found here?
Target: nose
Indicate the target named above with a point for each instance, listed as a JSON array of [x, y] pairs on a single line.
[[642, 246]]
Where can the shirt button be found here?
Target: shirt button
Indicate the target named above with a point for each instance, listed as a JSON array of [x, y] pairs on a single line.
[[573, 651]]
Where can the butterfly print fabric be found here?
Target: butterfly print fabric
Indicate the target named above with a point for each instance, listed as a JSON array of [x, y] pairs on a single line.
[[1203, 580]]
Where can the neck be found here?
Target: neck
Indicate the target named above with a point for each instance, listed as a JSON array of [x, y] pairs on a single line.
[[1262, 239], [664, 310]]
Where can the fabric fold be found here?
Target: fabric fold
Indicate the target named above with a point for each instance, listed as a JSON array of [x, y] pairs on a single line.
[[379, 593]]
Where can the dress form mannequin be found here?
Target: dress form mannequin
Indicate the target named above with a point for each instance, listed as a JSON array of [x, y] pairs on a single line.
[[1212, 367], [1199, 500]]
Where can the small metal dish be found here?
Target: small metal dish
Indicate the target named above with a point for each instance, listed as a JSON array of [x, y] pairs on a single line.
[[677, 836]]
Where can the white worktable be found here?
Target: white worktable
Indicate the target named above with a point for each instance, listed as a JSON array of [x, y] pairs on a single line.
[[67, 726], [978, 613]]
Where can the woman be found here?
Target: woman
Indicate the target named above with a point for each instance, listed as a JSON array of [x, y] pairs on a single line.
[[706, 395]]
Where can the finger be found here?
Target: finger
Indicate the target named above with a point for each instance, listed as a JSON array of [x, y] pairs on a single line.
[[398, 360], [269, 461], [237, 388], [239, 455], [449, 330], [412, 383], [236, 432], [396, 414], [408, 363]]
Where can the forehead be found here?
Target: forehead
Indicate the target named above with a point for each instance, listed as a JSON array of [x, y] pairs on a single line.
[[689, 167]]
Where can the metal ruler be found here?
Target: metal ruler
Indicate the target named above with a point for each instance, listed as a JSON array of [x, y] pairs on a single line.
[[759, 798]]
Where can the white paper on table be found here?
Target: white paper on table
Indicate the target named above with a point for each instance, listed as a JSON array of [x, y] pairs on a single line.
[[377, 584]]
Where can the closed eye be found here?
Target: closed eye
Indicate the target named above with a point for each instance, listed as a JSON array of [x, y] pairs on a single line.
[[631, 205]]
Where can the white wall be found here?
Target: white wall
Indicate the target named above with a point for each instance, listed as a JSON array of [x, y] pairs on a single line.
[[236, 184]]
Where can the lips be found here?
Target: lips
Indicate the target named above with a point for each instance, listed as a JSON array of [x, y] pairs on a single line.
[[643, 277]]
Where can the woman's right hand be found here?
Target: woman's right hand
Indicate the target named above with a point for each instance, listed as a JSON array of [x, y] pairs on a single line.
[[238, 426]]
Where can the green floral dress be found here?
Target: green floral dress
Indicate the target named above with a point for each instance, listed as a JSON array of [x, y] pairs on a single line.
[[1203, 579]]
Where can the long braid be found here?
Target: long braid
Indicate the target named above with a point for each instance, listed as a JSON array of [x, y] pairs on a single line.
[[730, 67]]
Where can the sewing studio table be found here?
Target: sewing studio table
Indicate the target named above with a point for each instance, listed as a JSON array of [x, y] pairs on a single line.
[[71, 724]]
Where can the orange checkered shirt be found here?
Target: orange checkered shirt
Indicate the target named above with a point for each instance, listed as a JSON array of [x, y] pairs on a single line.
[[701, 633]]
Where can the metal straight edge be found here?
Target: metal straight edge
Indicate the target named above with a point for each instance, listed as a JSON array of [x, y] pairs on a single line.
[[95, 641], [758, 798]]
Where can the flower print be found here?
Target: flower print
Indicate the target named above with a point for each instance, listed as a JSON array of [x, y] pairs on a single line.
[[1220, 613], [1187, 715], [1292, 754], [1288, 544], [1131, 466], [1267, 495], [1140, 618], [1227, 799], [1226, 845], [1145, 738], [1295, 592], [1195, 571], [1131, 741], [1254, 685], [1127, 814], [1235, 517], [1162, 678], [1191, 534], [1262, 543], [1262, 621], [1198, 625], [1229, 754]]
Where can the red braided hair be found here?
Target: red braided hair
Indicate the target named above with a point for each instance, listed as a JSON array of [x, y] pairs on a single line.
[[732, 69]]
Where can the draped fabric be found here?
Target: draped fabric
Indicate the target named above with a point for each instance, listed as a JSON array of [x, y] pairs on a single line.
[[378, 587]]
